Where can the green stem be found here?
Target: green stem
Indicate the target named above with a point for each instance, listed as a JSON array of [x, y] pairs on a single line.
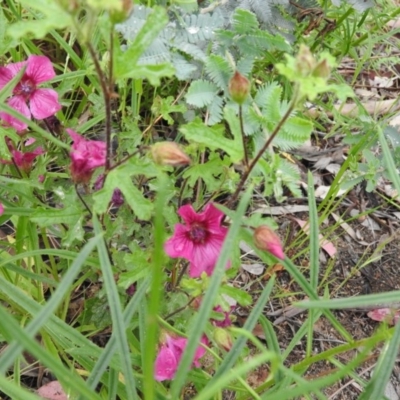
[[246, 156]]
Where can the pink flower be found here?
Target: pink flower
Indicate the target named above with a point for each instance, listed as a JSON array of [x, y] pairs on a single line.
[[388, 315], [170, 354], [86, 156], [42, 102], [226, 321], [199, 240], [1, 209], [266, 239], [25, 160]]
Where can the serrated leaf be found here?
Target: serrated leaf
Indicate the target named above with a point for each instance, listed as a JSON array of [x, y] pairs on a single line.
[[219, 70], [213, 138], [244, 21], [68, 215], [54, 17], [215, 110], [201, 93], [120, 178], [242, 297], [153, 73]]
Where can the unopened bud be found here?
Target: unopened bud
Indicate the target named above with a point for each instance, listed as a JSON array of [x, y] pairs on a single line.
[[169, 153], [122, 11], [266, 239], [239, 88], [305, 61], [223, 338], [322, 70]]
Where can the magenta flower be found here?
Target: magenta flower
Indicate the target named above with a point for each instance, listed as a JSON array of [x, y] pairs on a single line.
[[225, 321], [25, 160], [387, 315], [1, 209], [267, 240], [199, 240], [170, 354], [42, 102], [86, 156]]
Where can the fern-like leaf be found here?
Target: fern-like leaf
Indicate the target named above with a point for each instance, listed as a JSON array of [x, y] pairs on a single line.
[[201, 93], [219, 70]]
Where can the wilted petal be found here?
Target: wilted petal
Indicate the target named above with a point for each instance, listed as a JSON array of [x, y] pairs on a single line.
[[39, 69], [388, 315], [165, 365], [44, 103]]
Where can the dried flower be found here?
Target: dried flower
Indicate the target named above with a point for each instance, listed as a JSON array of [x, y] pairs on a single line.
[[170, 354], [169, 153], [42, 102], [266, 239], [86, 156], [199, 240], [239, 88]]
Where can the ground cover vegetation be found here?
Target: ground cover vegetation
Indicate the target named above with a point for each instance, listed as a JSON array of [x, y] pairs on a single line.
[[199, 199]]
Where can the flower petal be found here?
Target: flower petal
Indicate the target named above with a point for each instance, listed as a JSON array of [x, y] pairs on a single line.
[[179, 245], [39, 69], [205, 256], [14, 68], [5, 76], [18, 103], [165, 365], [44, 103], [200, 351], [188, 214], [213, 217]]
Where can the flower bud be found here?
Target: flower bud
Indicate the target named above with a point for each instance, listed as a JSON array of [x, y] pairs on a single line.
[[305, 61], [223, 338], [169, 153], [322, 70], [239, 88], [121, 12], [266, 239]]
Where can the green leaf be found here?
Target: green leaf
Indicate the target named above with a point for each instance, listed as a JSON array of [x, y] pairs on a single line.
[[213, 138], [120, 178], [165, 107], [153, 73], [54, 17], [69, 215], [242, 297], [201, 93], [219, 70], [244, 21]]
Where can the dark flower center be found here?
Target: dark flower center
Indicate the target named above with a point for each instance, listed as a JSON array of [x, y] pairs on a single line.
[[25, 88], [198, 234]]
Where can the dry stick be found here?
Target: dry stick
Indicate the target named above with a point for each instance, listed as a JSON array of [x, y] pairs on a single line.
[[245, 176], [246, 156]]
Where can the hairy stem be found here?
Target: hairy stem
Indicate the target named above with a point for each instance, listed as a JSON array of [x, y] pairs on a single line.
[[105, 87], [246, 156], [253, 163]]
